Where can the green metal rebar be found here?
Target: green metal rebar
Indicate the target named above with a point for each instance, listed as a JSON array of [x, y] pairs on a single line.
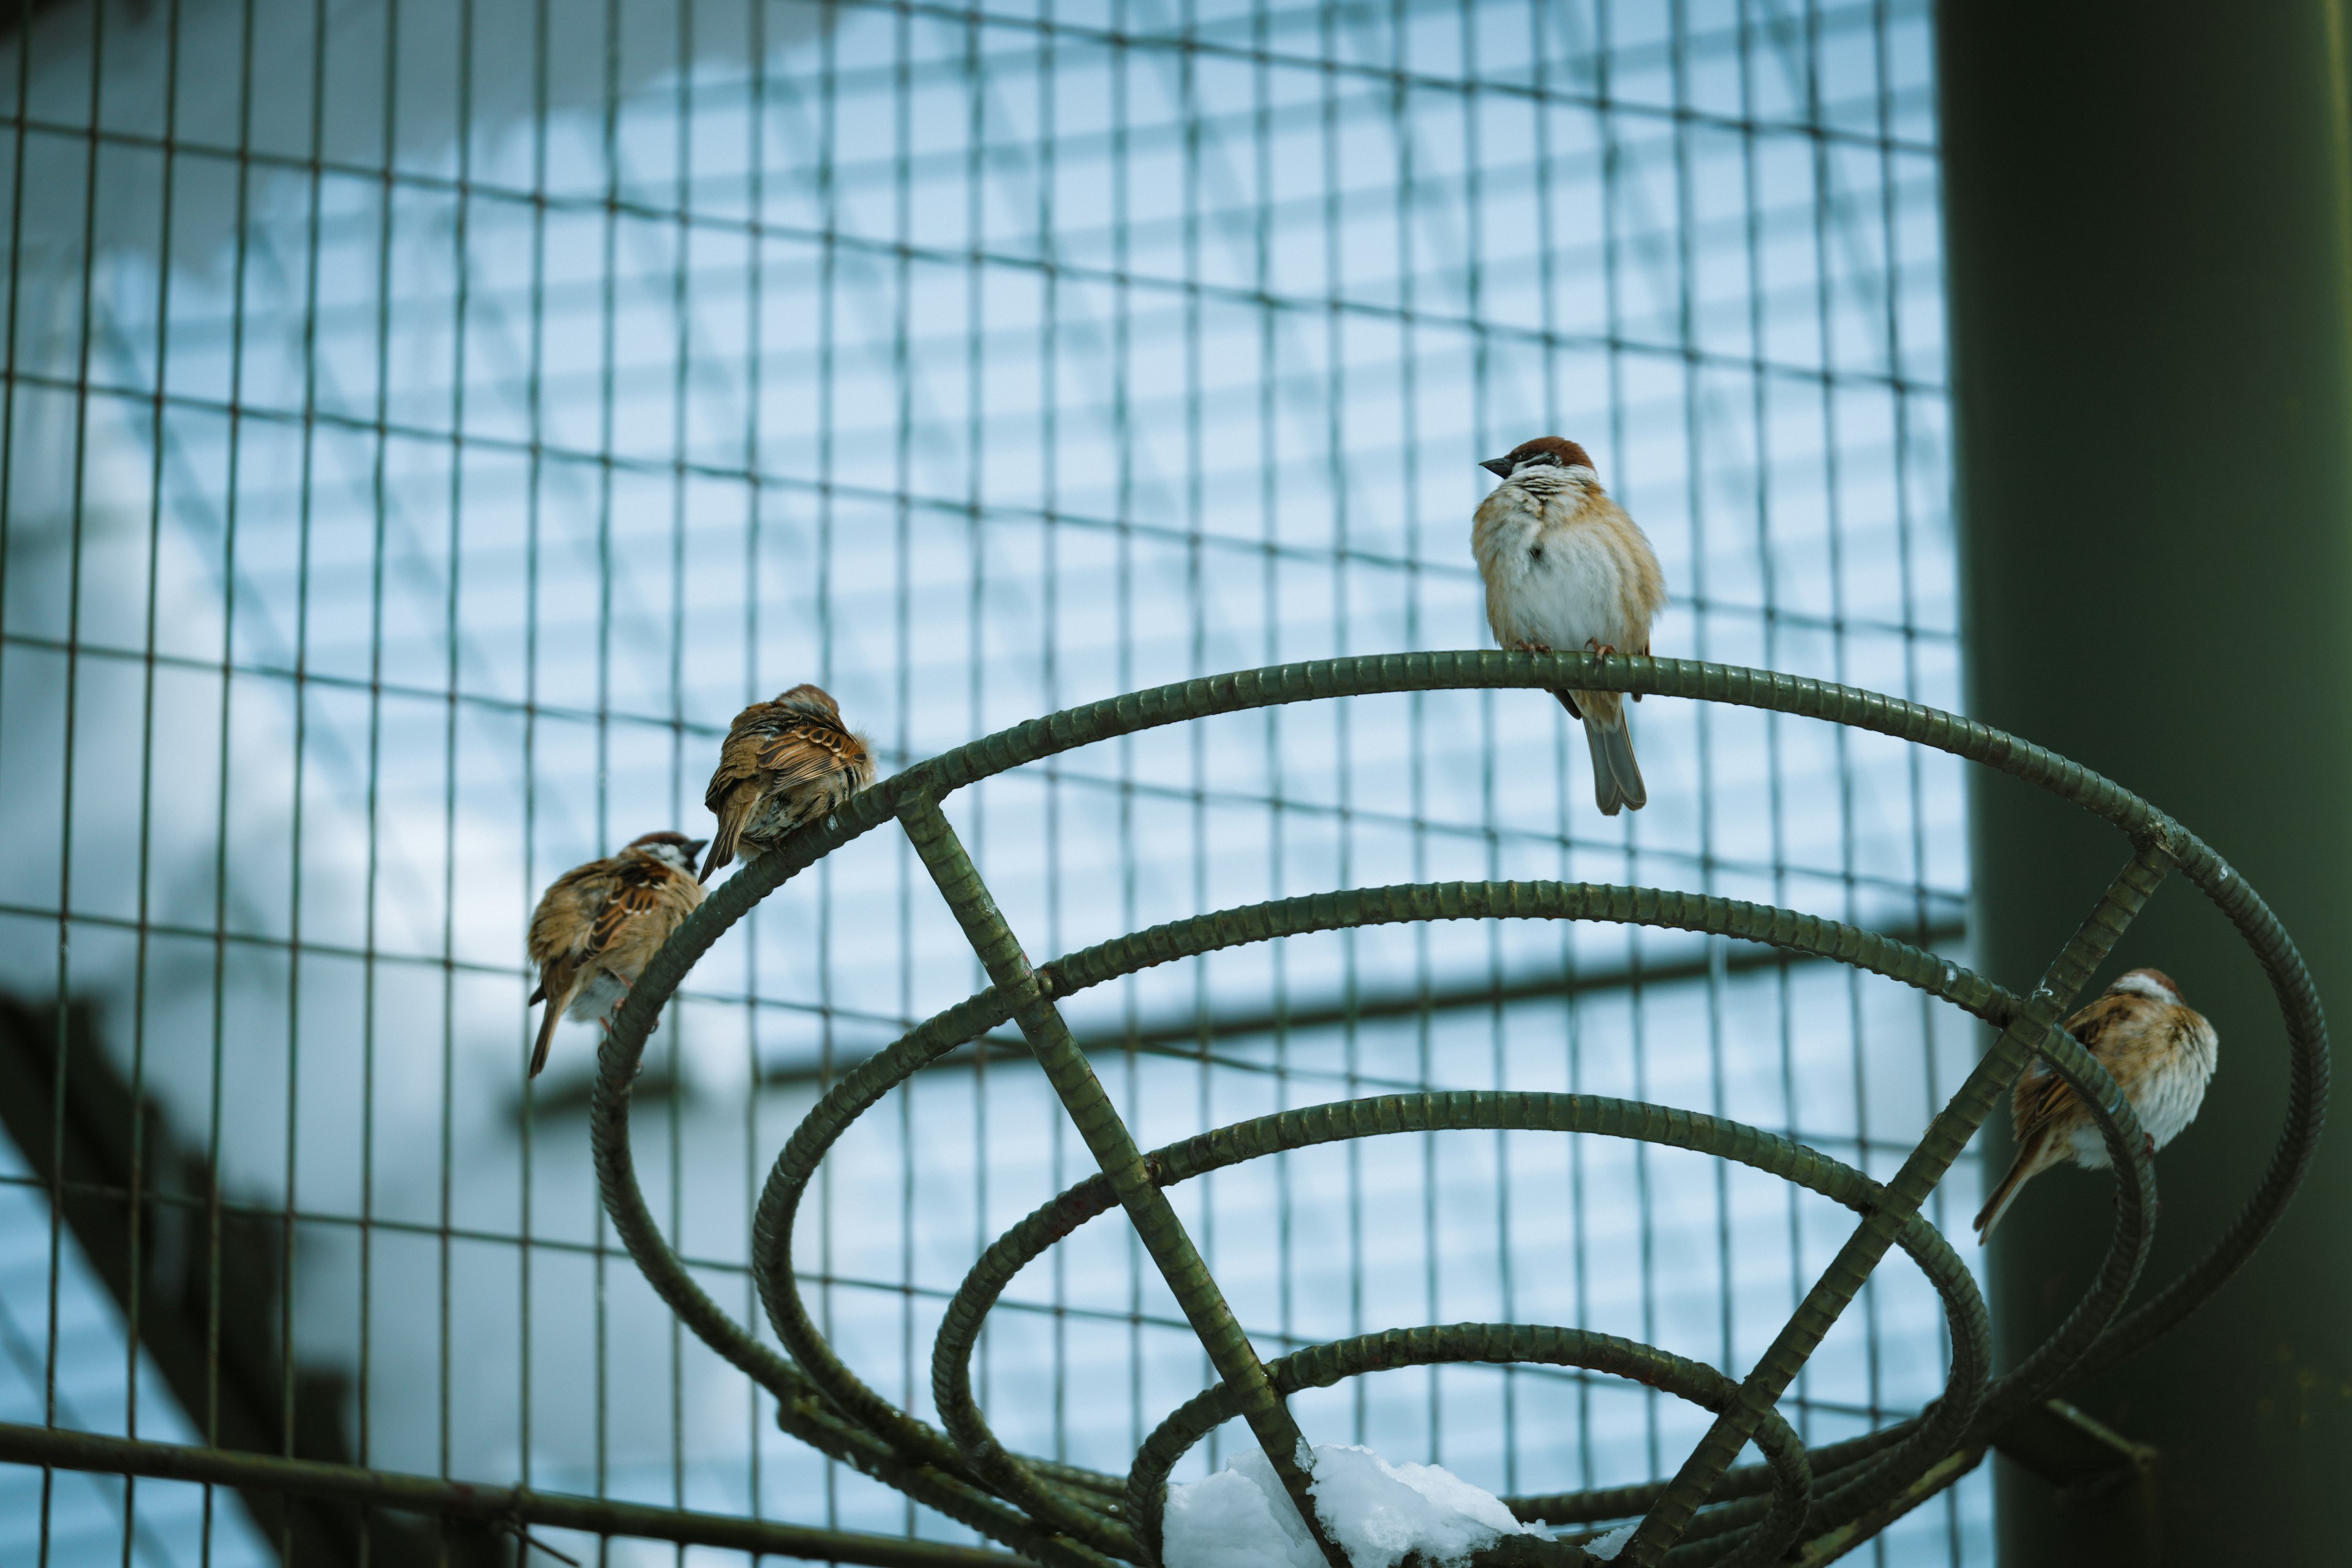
[[1115, 1150], [866, 1084], [2036, 1025], [509, 1506], [1850, 1489]]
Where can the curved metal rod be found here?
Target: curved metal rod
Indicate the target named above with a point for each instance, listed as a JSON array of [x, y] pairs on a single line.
[[863, 1085], [1460, 1110], [1025, 742], [799, 1407], [1320, 1366], [867, 1083]]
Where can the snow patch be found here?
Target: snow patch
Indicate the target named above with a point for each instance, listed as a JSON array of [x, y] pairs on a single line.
[[1234, 1520], [1606, 1547], [1377, 1513]]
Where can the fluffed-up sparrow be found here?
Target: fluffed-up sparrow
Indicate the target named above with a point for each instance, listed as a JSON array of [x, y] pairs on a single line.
[[599, 924], [1566, 568], [2161, 1053], [784, 763]]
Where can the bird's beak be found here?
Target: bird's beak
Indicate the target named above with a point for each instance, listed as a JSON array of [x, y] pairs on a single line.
[[694, 846], [1498, 467]]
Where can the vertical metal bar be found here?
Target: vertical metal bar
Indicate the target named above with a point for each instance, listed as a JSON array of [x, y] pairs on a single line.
[[534, 493], [1694, 476], [135, 1198], [1573, 1056], [1115, 1150], [77, 515], [608, 369], [19, 128], [1474, 200], [1196, 591], [207, 1419], [755, 501], [1049, 619], [1400, 127], [453, 673], [828, 197], [1905, 528], [381, 511], [1124, 437], [1614, 197], [673, 1023], [1824, 197], [902, 629], [1278, 844], [976, 643], [306, 504], [1760, 388]]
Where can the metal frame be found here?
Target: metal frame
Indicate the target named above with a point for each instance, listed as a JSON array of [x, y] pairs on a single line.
[[1833, 1497]]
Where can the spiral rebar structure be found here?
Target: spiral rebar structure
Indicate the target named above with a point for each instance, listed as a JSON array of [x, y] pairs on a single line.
[[1820, 1501]]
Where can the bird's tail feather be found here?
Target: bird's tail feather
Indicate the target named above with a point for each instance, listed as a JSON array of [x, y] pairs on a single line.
[[1568, 700], [2021, 1170], [546, 1035], [723, 847], [1616, 776]]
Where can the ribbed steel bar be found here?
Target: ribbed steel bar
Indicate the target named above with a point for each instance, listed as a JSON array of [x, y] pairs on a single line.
[[2035, 1027], [512, 1506], [1320, 1366], [1121, 1158], [1860, 1480], [864, 1085], [1461, 1110]]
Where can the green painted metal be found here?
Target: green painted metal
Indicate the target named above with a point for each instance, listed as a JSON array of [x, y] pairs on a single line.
[[511, 1507], [1818, 1505]]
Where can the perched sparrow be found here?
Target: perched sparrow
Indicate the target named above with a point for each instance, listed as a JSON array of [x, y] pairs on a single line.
[[783, 763], [2161, 1053], [1566, 568], [599, 924]]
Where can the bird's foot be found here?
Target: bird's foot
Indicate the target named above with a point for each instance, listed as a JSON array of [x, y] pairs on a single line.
[[1524, 646], [1597, 645]]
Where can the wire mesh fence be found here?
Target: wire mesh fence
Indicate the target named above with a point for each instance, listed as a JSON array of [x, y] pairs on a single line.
[[425, 424]]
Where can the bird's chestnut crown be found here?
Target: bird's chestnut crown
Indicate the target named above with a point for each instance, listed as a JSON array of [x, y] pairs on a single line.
[[666, 839], [1544, 451], [811, 698]]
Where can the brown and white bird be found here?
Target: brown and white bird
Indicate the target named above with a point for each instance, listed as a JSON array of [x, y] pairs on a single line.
[[784, 763], [599, 924], [2161, 1053], [1566, 568]]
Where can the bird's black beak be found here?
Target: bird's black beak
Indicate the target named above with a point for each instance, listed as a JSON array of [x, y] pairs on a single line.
[[694, 849], [1498, 467]]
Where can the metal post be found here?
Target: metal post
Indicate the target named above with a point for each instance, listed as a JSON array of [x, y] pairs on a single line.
[[2149, 228]]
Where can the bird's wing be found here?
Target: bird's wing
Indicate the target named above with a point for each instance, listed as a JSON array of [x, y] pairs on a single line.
[[561, 927], [640, 884], [806, 748], [2039, 1101], [2098, 1029], [738, 755]]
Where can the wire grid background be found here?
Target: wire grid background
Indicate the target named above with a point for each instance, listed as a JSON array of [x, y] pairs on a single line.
[[426, 423]]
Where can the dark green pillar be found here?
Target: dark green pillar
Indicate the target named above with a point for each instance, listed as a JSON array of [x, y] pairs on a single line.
[[2147, 219]]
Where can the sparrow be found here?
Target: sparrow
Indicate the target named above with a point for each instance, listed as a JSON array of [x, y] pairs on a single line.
[[2162, 1054], [784, 763], [599, 924], [1566, 568]]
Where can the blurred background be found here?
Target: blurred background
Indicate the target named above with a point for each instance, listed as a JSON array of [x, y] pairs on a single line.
[[426, 422]]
